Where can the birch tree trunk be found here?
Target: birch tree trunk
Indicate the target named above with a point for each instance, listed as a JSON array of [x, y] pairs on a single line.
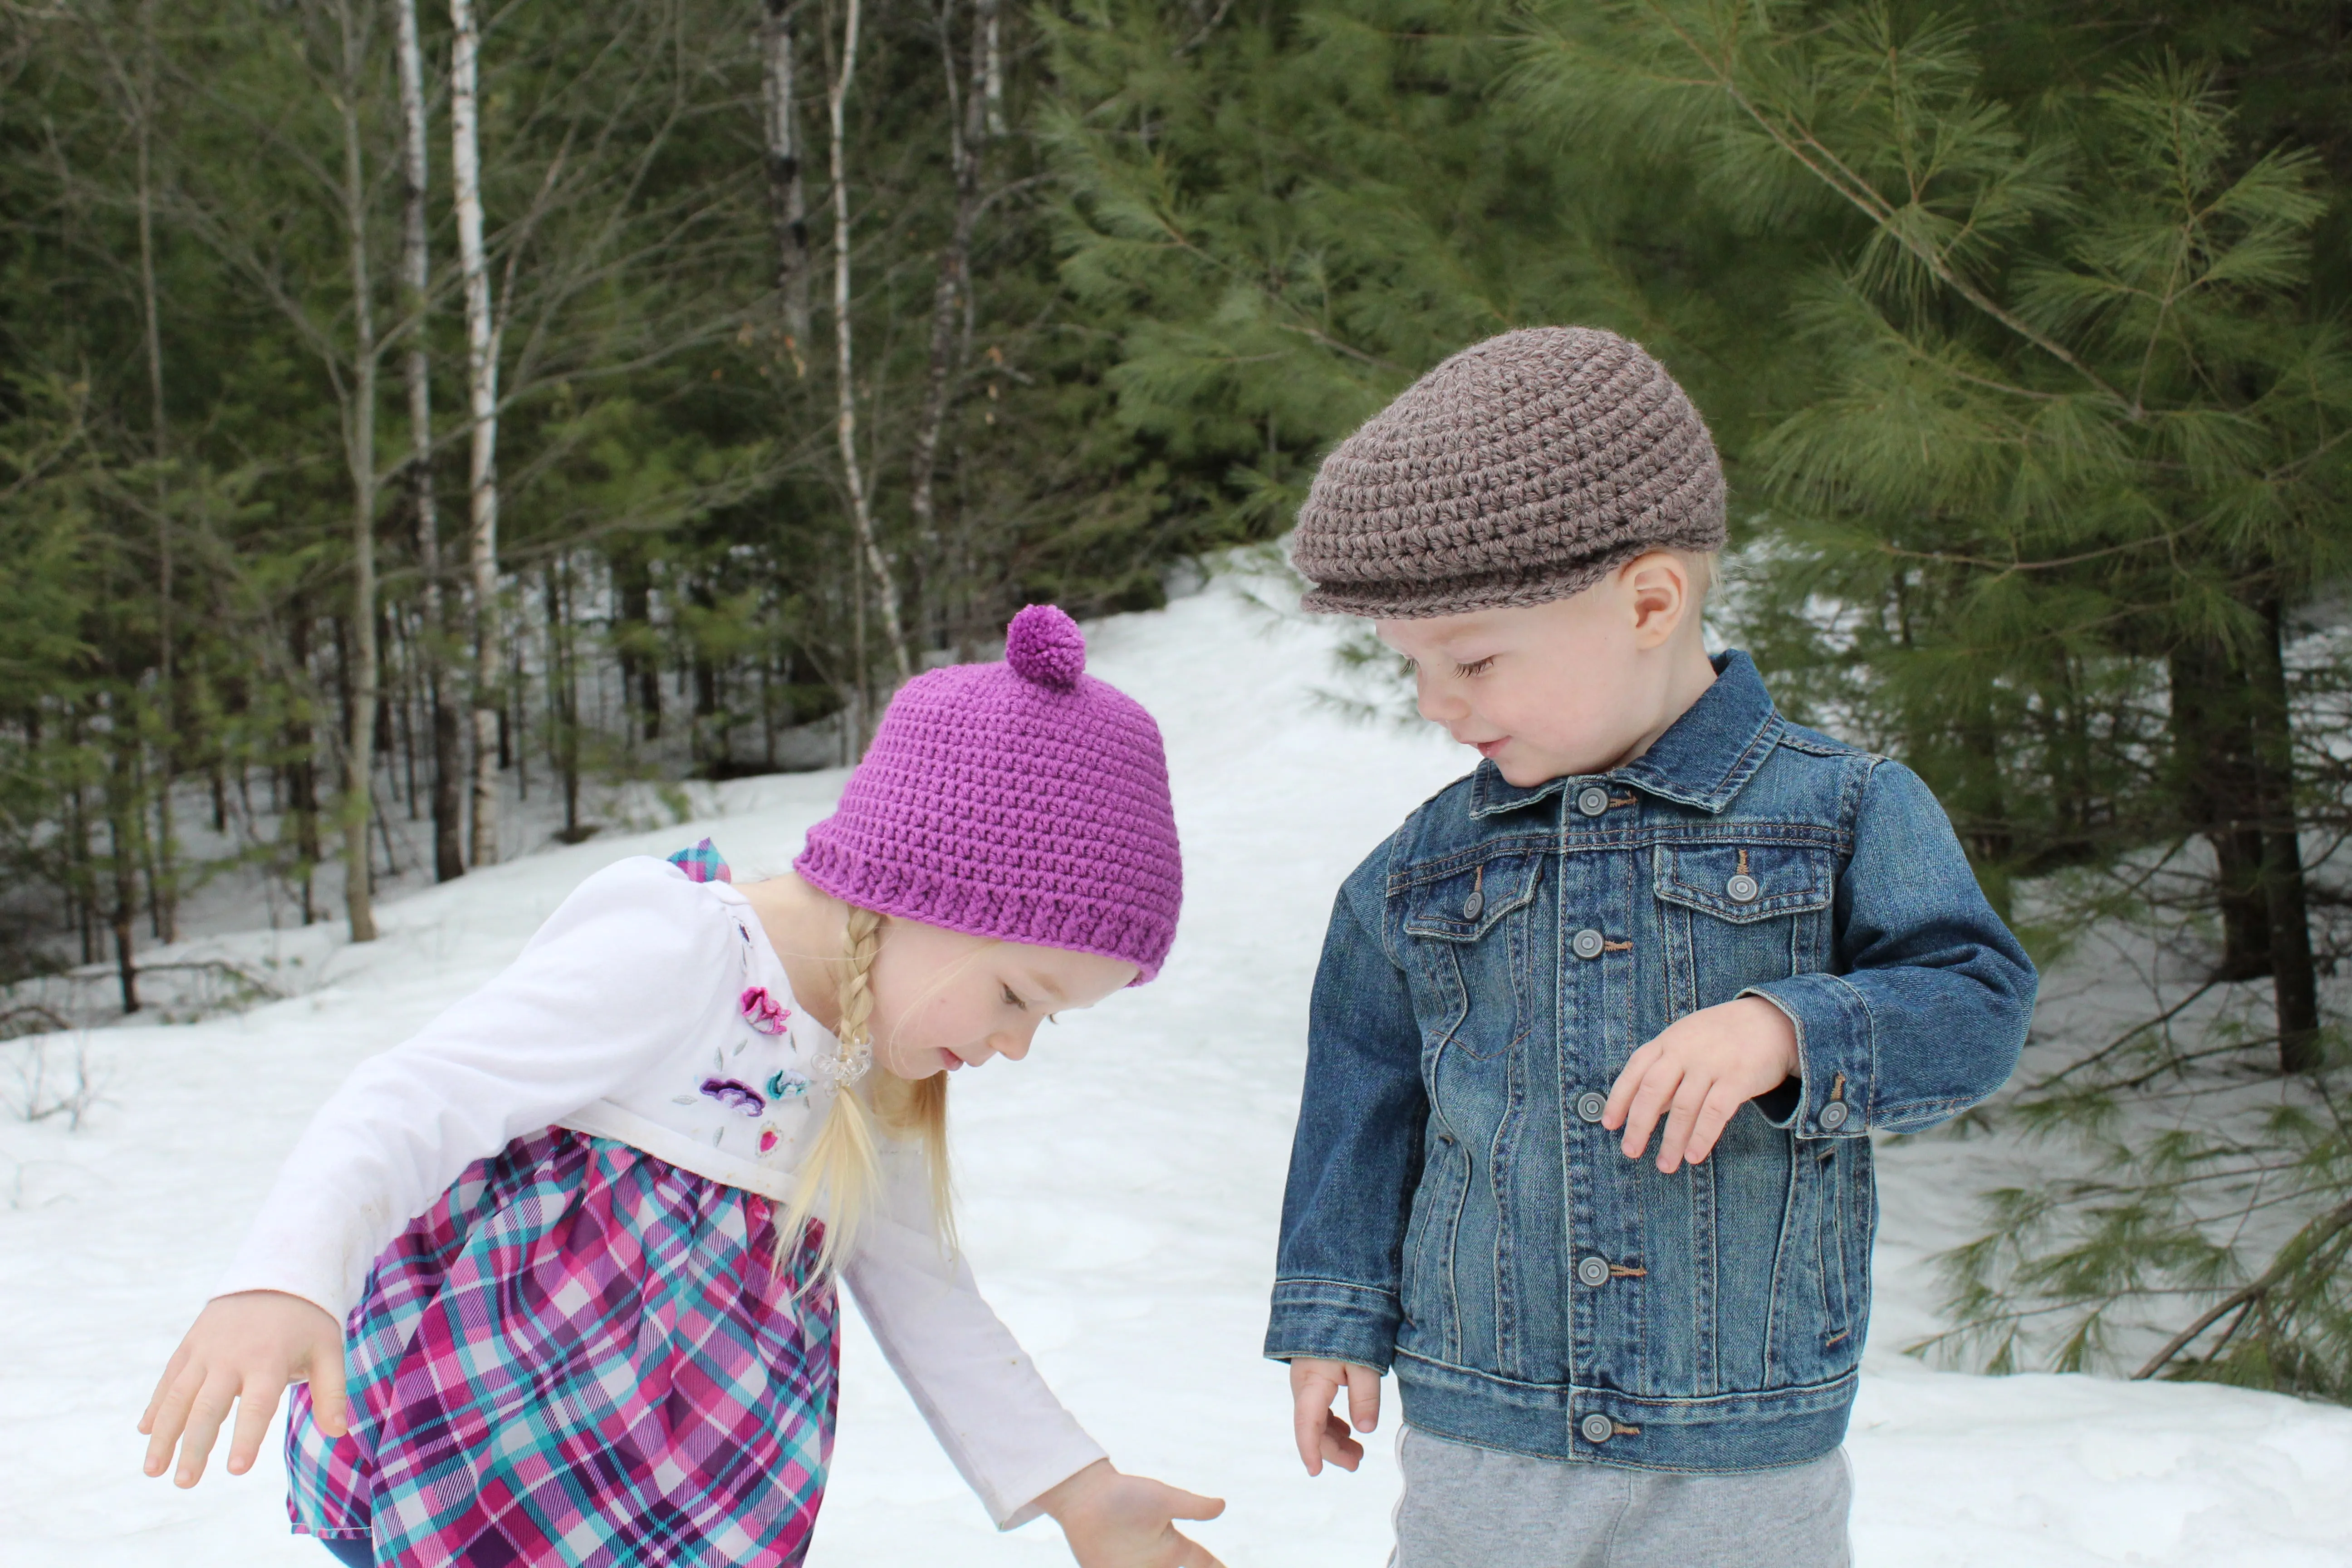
[[164, 892], [417, 280], [885, 594], [967, 124], [992, 64], [787, 187], [482, 401], [359, 438]]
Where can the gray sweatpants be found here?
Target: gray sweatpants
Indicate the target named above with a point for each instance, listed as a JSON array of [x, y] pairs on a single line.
[[1473, 1507]]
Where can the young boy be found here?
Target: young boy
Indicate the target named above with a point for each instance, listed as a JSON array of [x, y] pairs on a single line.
[[1654, 898]]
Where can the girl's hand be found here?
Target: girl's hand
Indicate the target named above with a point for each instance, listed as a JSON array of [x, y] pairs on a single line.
[[243, 1350], [1113, 1521], [1697, 1072], [1322, 1436]]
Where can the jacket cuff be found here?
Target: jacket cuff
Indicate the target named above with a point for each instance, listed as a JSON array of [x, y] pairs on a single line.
[[1834, 1056], [1330, 1320]]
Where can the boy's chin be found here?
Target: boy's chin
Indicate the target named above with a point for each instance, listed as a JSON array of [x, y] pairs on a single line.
[[1520, 773]]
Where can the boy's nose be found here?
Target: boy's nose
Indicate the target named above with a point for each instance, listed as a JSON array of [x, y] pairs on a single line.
[[1434, 702]]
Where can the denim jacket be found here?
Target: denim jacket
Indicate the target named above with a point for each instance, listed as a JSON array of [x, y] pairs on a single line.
[[1455, 1208]]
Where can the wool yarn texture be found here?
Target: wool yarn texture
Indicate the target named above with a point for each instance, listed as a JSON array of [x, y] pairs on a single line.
[[1025, 800], [1522, 470]]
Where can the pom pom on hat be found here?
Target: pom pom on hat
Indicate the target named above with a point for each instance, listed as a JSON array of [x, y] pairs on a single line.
[[1043, 645]]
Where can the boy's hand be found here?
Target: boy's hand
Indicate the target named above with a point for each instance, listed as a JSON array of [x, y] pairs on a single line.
[[1705, 1067], [1322, 1436], [1114, 1520], [243, 1350]]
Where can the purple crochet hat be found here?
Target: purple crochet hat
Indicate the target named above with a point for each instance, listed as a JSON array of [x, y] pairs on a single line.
[[1025, 801]]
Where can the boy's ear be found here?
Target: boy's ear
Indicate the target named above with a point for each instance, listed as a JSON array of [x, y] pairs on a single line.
[[1657, 587]]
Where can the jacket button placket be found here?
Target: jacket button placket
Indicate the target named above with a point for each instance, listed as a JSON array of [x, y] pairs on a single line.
[[1590, 1022]]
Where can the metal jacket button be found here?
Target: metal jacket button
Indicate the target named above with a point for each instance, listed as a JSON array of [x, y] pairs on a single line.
[[1742, 888], [1597, 1428], [1833, 1115], [1585, 943], [1592, 800], [1473, 905], [1593, 1271], [1591, 1104]]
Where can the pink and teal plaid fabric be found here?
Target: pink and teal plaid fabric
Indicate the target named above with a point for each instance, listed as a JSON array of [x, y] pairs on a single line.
[[703, 863], [580, 1356]]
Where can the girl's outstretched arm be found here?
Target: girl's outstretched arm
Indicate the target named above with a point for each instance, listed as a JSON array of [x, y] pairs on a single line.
[[1114, 1520], [242, 1350]]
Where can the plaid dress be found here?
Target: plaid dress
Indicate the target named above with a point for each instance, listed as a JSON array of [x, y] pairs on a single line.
[[581, 1356]]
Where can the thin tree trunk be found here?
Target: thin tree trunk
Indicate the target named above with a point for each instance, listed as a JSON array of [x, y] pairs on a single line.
[[482, 399], [562, 698], [301, 767], [2217, 782], [861, 513], [966, 126], [2295, 986], [992, 64], [123, 836], [359, 437], [417, 280], [787, 190], [640, 654], [164, 885]]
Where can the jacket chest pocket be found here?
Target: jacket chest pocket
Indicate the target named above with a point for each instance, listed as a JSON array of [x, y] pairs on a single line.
[[1468, 930], [1737, 914]]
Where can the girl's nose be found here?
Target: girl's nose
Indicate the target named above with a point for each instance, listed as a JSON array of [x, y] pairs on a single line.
[[1013, 1047]]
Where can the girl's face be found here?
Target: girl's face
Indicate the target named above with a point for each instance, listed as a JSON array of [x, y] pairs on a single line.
[[943, 1000]]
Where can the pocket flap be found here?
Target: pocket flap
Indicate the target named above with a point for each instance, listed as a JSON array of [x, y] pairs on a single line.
[[1463, 905], [1743, 882]]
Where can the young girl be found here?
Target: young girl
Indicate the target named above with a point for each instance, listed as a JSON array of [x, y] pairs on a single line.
[[636, 1161]]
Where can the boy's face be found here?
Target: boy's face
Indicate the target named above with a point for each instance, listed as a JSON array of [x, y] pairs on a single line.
[[1577, 685]]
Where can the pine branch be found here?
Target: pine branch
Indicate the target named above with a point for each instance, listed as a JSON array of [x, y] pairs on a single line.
[[2290, 1257]]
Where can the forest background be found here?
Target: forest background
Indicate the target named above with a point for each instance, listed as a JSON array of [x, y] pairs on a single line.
[[399, 401]]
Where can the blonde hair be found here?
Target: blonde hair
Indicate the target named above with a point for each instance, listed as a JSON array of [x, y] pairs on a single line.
[[841, 1180], [1705, 569]]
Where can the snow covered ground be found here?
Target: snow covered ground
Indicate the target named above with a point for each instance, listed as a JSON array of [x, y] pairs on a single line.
[[1119, 1199]]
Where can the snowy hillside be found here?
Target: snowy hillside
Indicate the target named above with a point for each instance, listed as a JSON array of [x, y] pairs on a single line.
[[1119, 1199]]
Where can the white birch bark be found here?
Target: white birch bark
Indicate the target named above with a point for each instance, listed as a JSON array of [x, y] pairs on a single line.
[[482, 404], [966, 127], [164, 889], [886, 592], [992, 67], [359, 437], [416, 281]]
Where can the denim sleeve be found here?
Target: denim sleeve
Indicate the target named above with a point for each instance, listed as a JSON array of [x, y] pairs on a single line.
[[1357, 1156], [1931, 1009]]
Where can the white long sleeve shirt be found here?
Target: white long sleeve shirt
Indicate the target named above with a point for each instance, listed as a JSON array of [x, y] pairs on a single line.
[[625, 1017]]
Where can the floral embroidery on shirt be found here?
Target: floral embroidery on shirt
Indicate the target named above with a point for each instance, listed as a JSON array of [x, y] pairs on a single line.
[[763, 1012], [786, 1086], [768, 1140], [734, 1095]]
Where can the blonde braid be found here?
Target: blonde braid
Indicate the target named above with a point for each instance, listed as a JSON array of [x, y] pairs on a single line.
[[843, 1174]]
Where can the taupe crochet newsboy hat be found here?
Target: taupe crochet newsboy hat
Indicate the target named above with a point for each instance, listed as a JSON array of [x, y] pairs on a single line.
[[1521, 470]]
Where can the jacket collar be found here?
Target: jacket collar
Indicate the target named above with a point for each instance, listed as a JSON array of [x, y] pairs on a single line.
[[1703, 759]]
